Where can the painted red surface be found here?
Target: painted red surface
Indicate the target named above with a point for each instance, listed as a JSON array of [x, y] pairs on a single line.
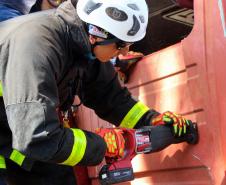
[[188, 78], [185, 3]]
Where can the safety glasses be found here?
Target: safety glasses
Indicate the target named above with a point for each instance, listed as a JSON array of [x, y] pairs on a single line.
[[119, 43]]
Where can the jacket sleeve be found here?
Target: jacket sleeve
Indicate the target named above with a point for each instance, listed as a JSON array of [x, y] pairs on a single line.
[[31, 97], [111, 101]]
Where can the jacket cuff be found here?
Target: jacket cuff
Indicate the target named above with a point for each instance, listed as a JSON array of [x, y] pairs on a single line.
[[95, 150], [146, 119], [78, 149], [88, 149]]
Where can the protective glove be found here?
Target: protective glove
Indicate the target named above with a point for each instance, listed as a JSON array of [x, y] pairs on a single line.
[[178, 122], [114, 140]]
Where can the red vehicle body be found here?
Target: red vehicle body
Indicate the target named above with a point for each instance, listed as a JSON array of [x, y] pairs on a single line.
[[185, 3]]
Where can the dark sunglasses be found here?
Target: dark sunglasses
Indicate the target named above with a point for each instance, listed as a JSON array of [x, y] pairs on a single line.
[[119, 43]]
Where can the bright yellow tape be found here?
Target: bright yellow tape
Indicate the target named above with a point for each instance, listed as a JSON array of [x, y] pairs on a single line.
[[17, 157], [134, 115], [78, 149]]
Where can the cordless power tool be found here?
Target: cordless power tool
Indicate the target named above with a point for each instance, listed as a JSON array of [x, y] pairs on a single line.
[[140, 141]]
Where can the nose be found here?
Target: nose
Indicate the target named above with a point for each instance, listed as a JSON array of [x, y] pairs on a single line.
[[124, 50]]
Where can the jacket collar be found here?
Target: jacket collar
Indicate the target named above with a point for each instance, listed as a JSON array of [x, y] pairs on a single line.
[[76, 27]]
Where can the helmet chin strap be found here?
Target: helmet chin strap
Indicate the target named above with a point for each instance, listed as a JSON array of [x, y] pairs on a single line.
[[96, 44], [91, 56], [92, 50], [97, 32]]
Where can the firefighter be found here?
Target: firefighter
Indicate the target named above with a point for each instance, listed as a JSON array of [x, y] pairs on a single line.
[[66, 53]]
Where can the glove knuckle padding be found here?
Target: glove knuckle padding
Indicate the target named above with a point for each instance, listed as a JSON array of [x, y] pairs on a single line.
[[114, 140]]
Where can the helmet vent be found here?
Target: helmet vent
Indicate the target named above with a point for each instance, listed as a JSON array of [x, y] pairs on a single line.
[[133, 6], [141, 17], [116, 14], [135, 28], [91, 6]]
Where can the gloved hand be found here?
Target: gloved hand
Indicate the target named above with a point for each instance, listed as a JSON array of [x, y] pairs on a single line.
[[114, 140], [178, 122]]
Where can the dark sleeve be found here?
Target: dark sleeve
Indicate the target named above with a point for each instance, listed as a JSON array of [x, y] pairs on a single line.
[[146, 118], [104, 94], [31, 97]]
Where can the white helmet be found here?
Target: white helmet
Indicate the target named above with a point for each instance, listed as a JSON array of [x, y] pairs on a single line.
[[125, 19]]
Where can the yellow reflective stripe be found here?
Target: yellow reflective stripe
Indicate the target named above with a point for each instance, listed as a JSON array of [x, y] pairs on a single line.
[[133, 116], [1, 91], [2, 162], [17, 157], [78, 149]]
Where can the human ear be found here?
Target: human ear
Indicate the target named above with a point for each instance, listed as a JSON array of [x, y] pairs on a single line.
[[92, 39]]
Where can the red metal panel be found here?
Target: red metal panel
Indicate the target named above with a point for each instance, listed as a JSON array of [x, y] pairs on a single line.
[[208, 52], [157, 66]]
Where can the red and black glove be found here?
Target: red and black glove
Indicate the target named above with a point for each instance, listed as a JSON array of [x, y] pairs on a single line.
[[178, 122], [114, 140]]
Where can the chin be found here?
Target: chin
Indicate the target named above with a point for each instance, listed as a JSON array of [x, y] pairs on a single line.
[[103, 60]]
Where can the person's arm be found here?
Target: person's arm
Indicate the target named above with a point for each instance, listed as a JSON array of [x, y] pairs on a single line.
[[111, 101], [30, 93]]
